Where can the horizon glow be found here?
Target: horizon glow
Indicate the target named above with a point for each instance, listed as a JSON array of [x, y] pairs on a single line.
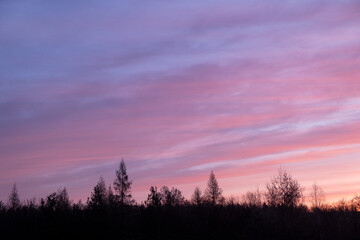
[[177, 90]]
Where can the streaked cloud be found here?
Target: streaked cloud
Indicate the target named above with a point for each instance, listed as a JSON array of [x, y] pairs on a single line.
[[178, 89]]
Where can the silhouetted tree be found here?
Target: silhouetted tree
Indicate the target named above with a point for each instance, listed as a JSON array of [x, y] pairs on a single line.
[[231, 201], [51, 201], [317, 196], [154, 198], [342, 205], [196, 198], [79, 206], [213, 194], [284, 191], [62, 199], [14, 200], [58, 200], [122, 185], [171, 197], [111, 196], [355, 203], [31, 203], [99, 195], [230, 221], [253, 199]]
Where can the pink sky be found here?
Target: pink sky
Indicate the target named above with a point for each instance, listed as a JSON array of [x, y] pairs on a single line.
[[177, 90]]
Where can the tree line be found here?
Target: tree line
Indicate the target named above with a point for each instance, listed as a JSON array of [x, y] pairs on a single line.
[[282, 191], [278, 213], [120, 195]]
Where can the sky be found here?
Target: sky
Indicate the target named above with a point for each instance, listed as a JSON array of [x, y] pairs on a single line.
[[177, 89]]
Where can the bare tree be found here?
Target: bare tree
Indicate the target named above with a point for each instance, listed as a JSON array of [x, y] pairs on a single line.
[[14, 200], [355, 203], [232, 201], [342, 205], [196, 198], [284, 191], [122, 185], [213, 194], [317, 196], [253, 199]]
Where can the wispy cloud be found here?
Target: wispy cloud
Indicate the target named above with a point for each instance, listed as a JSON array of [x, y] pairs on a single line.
[[238, 87]]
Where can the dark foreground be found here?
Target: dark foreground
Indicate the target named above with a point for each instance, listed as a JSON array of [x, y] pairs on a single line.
[[182, 222]]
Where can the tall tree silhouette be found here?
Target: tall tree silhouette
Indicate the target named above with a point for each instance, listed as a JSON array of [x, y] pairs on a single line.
[[213, 194], [284, 191], [14, 200], [122, 185]]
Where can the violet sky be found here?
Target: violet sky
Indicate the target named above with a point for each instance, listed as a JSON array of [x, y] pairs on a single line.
[[177, 89]]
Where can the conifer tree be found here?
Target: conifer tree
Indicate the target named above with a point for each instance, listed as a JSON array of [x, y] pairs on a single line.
[[99, 196], [196, 198], [14, 200], [62, 199], [111, 197], [213, 194], [122, 185]]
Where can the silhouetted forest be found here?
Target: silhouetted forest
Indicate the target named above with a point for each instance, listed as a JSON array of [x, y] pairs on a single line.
[[111, 213]]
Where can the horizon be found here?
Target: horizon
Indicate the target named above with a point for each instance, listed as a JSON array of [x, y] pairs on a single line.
[[239, 197], [177, 90]]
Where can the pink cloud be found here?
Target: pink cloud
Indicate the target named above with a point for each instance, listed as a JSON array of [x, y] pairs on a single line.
[[239, 91]]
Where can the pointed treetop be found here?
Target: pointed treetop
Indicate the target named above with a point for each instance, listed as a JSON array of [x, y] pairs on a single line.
[[213, 194], [122, 185], [14, 200]]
